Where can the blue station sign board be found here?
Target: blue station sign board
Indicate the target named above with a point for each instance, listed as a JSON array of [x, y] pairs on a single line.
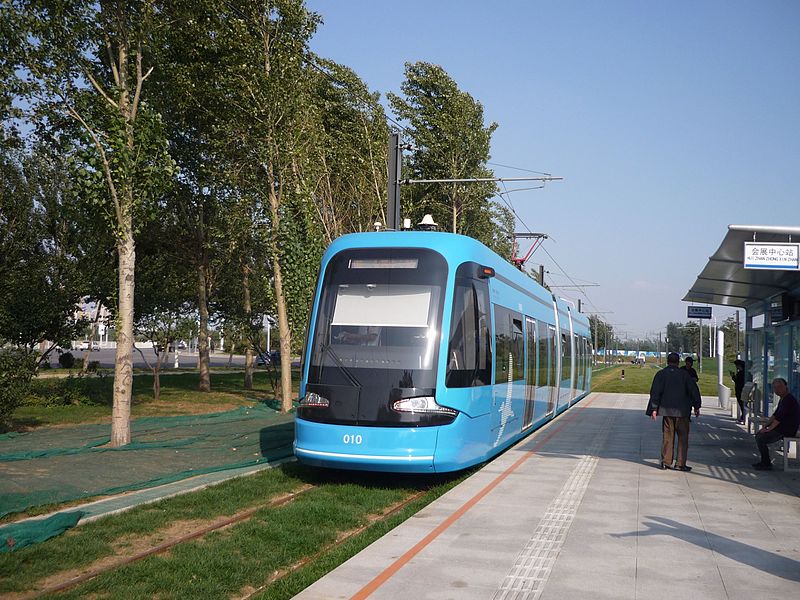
[[698, 312]]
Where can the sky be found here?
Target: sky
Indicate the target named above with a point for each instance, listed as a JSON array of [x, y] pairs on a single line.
[[667, 120]]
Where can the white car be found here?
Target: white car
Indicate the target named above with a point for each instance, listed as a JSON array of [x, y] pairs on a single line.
[[90, 345]]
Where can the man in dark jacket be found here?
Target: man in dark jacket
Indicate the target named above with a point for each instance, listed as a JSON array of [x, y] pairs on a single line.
[[688, 366], [673, 394], [783, 423]]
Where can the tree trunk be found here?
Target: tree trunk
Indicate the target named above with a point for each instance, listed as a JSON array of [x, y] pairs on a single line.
[[202, 342], [280, 300], [285, 337], [123, 369], [248, 313], [157, 381]]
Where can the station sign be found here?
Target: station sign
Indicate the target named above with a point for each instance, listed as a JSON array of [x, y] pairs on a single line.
[[779, 256], [698, 312]]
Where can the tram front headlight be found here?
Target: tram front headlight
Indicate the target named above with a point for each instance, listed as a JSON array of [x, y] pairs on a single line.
[[422, 404], [314, 399]]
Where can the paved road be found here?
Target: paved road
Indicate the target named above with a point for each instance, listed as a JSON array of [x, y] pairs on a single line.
[[186, 358]]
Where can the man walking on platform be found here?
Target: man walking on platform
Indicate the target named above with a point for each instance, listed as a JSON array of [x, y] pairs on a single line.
[[783, 423], [673, 394]]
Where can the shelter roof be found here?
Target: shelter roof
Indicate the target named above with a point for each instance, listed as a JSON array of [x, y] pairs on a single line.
[[725, 281]]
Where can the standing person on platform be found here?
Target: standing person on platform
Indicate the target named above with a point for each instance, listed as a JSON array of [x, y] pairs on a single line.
[[783, 423], [689, 368], [673, 394], [738, 386]]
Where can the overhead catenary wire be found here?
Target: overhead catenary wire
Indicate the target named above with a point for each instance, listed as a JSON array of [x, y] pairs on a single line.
[[517, 168], [555, 262]]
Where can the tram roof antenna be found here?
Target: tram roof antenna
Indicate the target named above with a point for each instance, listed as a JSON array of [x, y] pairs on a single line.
[[537, 238]]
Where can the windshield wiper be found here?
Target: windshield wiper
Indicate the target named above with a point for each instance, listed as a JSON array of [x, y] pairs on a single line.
[[327, 348]]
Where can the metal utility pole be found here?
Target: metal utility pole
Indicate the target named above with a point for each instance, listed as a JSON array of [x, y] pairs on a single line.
[[700, 345], [737, 334], [395, 163], [658, 349]]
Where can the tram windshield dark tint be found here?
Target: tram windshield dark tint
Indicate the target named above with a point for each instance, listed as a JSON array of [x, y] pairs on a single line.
[[379, 319]]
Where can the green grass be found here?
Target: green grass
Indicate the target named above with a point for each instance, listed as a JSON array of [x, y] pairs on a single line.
[[179, 396], [226, 561], [639, 378]]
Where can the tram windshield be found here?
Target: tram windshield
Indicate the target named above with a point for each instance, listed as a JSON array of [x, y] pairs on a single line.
[[378, 321]]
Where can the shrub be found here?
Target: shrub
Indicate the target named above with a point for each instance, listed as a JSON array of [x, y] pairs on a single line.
[[16, 370], [66, 360], [62, 391]]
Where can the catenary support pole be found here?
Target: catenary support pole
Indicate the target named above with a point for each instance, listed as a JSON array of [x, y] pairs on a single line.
[[395, 158]]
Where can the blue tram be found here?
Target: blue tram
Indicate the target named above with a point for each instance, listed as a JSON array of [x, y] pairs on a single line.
[[427, 352]]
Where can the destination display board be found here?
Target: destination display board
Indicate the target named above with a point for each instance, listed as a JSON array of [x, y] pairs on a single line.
[[776, 255], [698, 312]]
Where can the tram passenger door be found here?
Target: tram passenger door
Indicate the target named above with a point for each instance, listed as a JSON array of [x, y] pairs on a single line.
[[553, 384], [530, 373]]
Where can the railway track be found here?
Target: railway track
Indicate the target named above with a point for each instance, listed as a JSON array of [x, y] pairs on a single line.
[[54, 585]]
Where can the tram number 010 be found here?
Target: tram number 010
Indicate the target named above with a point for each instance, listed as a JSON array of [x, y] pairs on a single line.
[[352, 439]]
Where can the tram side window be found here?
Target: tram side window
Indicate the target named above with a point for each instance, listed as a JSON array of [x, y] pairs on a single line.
[[586, 359], [566, 354], [469, 354], [510, 345], [544, 359], [582, 367]]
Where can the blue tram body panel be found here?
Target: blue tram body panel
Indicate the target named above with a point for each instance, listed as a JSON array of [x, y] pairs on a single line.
[[385, 388]]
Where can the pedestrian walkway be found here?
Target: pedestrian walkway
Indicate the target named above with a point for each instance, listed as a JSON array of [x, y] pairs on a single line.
[[581, 510]]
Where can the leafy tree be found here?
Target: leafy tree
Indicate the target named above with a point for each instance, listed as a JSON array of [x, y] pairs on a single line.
[[683, 337], [16, 371], [40, 278], [262, 82], [347, 166], [601, 331], [164, 293], [188, 93], [729, 326], [86, 65], [450, 142]]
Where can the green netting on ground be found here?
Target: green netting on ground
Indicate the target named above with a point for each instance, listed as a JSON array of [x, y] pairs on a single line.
[[18, 535], [60, 464]]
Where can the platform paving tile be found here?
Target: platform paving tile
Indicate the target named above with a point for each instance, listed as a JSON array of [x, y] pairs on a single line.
[[450, 589], [722, 531], [596, 586], [670, 586], [747, 582]]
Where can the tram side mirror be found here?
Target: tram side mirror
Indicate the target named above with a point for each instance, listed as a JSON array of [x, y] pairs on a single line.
[[485, 272]]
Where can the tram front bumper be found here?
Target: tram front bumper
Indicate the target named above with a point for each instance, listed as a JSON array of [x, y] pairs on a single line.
[[397, 449]]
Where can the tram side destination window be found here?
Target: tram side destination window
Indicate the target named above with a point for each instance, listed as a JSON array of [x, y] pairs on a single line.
[[509, 345], [469, 354]]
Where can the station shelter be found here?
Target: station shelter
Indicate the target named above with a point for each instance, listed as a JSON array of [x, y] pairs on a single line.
[[757, 268]]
